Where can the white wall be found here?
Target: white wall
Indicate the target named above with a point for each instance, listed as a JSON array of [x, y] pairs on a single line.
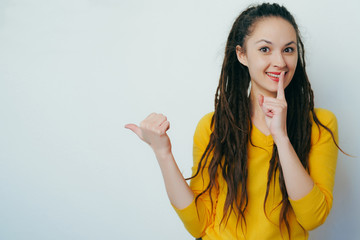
[[74, 72]]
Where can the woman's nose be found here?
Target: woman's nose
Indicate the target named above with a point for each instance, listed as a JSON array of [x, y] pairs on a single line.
[[278, 60]]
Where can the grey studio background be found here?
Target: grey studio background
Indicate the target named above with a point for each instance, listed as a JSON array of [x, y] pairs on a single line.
[[74, 72]]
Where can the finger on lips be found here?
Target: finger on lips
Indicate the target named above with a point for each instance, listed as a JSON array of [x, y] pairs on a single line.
[[280, 91], [270, 100]]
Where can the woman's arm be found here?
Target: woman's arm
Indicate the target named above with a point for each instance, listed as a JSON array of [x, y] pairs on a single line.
[[153, 131], [178, 190], [310, 195], [297, 180], [195, 216], [313, 209]]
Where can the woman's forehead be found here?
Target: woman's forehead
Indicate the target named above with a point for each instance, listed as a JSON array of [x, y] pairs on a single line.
[[273, 29]]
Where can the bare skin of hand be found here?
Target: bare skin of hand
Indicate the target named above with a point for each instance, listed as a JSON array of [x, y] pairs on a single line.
[[297, 180], [152, 130], [275, 110]]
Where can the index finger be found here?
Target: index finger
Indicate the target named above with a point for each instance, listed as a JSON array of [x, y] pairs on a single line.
[[280, 91]]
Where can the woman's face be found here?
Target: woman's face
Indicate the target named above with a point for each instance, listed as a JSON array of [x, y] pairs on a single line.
[[269, 50]]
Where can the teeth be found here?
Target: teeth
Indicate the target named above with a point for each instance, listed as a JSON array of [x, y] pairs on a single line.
[[273, 75]]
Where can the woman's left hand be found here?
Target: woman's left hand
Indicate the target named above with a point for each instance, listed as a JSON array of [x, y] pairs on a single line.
[[275, 110]]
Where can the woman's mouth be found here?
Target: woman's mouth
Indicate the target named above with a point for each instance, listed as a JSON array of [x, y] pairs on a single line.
[[274, 75]]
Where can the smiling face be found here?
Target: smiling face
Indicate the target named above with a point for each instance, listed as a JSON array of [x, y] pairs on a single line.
[[270, 49]]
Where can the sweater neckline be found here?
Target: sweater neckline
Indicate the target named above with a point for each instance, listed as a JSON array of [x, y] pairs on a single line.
[[259, 137]]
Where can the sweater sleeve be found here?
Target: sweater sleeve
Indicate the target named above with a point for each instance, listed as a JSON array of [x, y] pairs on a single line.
[[199, 215], [311, 211]]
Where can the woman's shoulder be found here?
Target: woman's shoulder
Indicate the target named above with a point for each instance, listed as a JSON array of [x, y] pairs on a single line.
[[328, 119], [206, 119], [322, 112], [204, 125], [325, 116]]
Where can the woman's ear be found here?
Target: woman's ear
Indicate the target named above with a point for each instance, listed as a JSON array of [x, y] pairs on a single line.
[[241, 56]]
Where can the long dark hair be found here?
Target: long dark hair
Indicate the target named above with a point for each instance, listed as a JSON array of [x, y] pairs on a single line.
[[231, 122]]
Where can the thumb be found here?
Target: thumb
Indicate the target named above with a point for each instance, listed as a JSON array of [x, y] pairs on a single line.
[[135, 129], [261, 100]]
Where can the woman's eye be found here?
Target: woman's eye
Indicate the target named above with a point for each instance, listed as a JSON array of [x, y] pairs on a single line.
[[289, 50], [264, 49]]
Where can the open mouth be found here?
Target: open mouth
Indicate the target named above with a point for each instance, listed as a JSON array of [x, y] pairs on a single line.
[[274, 75]]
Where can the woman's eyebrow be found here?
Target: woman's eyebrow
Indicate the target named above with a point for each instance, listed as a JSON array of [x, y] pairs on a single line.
[[263, 40], [269, 42], [292, 42]]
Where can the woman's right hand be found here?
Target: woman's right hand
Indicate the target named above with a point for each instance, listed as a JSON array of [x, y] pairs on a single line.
[[152, 130]]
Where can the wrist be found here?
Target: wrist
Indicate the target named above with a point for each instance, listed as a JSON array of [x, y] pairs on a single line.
[[165, 160], [281, 140], [163, 154]]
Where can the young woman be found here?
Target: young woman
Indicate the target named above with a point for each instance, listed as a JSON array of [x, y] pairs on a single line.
[[264, 160]]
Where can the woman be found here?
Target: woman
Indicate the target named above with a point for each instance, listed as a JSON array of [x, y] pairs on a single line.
[[264, 160]]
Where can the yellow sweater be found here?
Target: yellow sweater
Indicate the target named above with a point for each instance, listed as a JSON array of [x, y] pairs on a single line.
[[306, 213]]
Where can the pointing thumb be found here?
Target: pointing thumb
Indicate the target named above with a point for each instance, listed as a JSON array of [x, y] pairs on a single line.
[[135, 129]]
